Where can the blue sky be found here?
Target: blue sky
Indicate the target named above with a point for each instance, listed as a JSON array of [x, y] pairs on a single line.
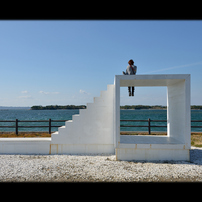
[[67, 62]]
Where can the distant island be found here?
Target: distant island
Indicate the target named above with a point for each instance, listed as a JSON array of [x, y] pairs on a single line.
[[197, 107], [143, 107], [54, 107]]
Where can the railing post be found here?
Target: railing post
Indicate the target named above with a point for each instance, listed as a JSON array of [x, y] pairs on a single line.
[[16, 126], [49, 126], [149, 129]]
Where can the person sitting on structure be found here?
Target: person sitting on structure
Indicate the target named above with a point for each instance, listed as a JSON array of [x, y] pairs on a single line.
[[131, 69]]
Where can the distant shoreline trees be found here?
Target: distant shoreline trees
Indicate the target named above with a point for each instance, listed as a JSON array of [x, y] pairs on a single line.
[[55, 107], [143, 107], [196, 107]]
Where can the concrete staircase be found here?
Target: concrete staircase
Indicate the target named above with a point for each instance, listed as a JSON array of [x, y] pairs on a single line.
[[90, 131]]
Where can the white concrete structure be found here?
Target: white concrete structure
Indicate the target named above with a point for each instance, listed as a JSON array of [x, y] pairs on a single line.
[[96, 129], [176, 145], [25, 145], [89, 132]]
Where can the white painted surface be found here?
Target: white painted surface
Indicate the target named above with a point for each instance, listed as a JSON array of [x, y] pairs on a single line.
[[174, 147], [25, 145], [148, 154], [150, 80], [178, 112], [148, 139], [91, 131], [82, 149]]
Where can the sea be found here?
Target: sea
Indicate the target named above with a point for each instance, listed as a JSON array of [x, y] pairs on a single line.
[[26, 114]]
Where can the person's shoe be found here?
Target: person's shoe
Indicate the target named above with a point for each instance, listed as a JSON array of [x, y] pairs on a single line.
[[132, 93], [129, 93]]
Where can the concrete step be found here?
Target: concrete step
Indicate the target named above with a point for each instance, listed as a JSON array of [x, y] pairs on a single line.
[[61, 129], [96, 99], [75, 117], [110, 87], [68, 123], [90, 105], [55, 133], [82, 112]]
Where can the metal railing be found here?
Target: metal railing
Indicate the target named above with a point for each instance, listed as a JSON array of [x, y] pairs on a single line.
[[149, 126], [49, 126], [17, 126]]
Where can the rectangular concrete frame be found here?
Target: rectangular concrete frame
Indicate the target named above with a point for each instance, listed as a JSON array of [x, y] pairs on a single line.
[[177, 144]]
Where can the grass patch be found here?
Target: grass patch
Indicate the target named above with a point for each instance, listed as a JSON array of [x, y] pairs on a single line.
[[142, 133], [24, 134], [196, 139]]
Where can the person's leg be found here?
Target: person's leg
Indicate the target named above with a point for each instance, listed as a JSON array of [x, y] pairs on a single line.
[[133, 88], [129, 91]]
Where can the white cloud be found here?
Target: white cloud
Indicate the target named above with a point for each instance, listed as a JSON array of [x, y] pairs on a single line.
[[48, 93], [25, 97], [24, 92], [176, 67], [83, 92]]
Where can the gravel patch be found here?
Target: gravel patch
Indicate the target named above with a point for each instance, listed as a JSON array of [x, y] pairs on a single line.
[[93, 168]]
